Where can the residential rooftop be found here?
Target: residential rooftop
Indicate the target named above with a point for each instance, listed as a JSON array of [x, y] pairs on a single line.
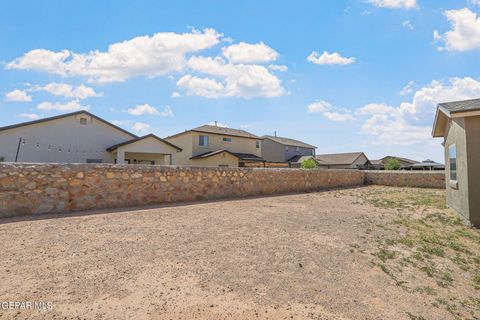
[[289, 142], [338, 158]]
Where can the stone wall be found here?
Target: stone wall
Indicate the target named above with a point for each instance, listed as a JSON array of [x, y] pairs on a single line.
[[48, 188], [419, 179]]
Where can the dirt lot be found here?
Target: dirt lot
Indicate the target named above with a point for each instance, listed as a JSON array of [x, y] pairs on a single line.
[[366, 253]]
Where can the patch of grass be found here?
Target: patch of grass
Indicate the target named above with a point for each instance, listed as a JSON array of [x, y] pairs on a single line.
[[429, 270], [445, 280], [476, 281], [385, 269], [433, 250], [418, 256], [385, 254], [426, 290], [461, 262], [408, 241]]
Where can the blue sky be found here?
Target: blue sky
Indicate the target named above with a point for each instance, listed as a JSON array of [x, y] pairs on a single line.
[[355, 75]]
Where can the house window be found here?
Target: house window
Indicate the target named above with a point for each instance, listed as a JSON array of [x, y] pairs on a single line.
[[257, 144], [298, 149], [203, 141], [225, 139], [452, 157], [83, 121], [286, 149]]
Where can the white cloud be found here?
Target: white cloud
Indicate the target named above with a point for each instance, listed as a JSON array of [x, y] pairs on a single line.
[[394, 4], [276, 67], [18, 96], [31, 116], [141, 128], [203, 87], [329, 58], [229, 80], [146, 109], [249, 53], [319, 106], [407, 24], [175, 95], [73, 105], [407, 89], [465, 32], [68, 91], [329, 112], [411, 122], [143, 109], [474, 2], [337, 116], [148, 56]]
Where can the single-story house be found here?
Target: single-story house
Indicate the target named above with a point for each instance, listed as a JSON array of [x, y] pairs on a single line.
[[281, 149], [352, 160], [458, 123], [425, 165], [81, 137], [212, 145], [380, 163]]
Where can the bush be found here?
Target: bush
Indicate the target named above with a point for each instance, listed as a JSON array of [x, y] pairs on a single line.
[[309, 164], [2, 159], [392, 164]]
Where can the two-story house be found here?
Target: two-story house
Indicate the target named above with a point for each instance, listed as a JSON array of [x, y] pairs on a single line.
[[280, 149], [212, 145]]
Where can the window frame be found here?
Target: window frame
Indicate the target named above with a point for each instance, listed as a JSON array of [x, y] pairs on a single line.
[[453, 165], [203, 140], [227, 139]]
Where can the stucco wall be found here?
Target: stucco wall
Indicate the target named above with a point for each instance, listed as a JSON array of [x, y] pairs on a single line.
[[457, 197], [418, 179], [473, 161]]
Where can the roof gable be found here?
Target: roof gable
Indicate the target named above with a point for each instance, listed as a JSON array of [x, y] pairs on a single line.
[[66, 115], [116, 146]]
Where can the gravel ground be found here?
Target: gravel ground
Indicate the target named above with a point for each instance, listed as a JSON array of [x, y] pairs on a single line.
[[304, 256]]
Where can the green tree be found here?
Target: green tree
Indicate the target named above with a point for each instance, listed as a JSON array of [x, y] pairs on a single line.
[[392, 164], [2, 159], [309, 164]]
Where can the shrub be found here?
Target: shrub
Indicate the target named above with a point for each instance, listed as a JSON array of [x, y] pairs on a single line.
[[392, 164], [309, 164], [2, 159]]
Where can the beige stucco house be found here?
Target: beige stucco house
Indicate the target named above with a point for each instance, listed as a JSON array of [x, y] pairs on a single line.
[[281, 149], [81, 137], [459, 125], [212, 145]]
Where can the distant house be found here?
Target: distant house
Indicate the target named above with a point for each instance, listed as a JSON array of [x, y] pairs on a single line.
[[425, 165], [210, 145], [459, 125], [81, 137], [380, 164], [280, 149], [353, 160]]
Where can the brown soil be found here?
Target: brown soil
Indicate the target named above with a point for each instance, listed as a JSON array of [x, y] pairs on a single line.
[[346, 254]]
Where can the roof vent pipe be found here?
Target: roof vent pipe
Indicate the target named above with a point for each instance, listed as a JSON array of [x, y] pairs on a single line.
[[275, 133], [215, 123]]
